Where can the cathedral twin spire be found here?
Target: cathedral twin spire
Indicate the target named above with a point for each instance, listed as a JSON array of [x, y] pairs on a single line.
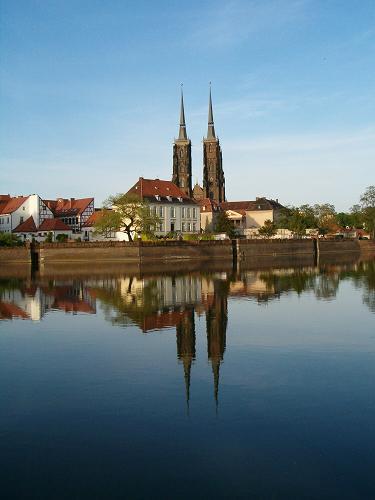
[[213, 174]]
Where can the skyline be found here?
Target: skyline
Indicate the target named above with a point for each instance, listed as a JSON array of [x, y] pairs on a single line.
[[90, 96]]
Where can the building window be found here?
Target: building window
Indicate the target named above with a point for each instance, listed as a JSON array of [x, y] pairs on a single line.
[[188, 213], [173, 212], [160, 227], [182, 183], [194, 227], [161, 212], [194, 213], [183, 227], [183, 212], [21, 220], [189, 227]]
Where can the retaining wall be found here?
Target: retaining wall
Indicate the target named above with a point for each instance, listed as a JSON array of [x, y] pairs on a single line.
[[248, 249], [14, 255], [334, 246]]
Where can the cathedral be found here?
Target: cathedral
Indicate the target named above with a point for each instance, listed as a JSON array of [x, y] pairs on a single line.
[[213, 173]]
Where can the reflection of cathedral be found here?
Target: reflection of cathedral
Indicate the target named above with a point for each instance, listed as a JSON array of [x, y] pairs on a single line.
[[216, 325], [185, 334]]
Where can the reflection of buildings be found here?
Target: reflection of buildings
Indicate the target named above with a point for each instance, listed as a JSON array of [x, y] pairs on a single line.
[[33, 301]]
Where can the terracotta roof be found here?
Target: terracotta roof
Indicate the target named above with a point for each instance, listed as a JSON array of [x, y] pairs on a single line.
[[93, 218], [64, 206], [53, 225], [28, 226], [149, 188], [208, 205], [10, 204], [258, 204]]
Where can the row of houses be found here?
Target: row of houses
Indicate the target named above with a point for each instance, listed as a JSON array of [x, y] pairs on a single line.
[[32, 217]]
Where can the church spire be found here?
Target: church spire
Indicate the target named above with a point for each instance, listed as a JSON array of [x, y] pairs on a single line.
[[211, 128], [182, 132]]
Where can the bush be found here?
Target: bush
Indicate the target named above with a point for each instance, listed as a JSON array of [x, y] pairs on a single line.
[[9, 240], [62, 238], [49, 237]]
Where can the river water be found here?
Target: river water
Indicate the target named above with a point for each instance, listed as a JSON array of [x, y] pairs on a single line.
[[248, 383]]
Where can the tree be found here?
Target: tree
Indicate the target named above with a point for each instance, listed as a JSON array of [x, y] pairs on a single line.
[[325, 216], [126, 213], [367, 201], [62, 238], [268, 229], [224, 225], [297, 219]]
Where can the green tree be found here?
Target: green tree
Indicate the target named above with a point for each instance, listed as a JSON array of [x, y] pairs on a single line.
[[268, 229], [325, 216], [224, 225], [127, 213], [367, 201], [297, 219]]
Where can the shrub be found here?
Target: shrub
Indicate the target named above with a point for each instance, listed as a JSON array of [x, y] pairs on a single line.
[[9, 240], [62, 238]]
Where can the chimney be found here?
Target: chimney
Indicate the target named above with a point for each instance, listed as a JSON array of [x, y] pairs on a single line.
[[71, 202]]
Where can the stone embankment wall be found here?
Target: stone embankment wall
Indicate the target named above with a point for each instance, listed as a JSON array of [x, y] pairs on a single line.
[[162, 253], [248, 249], [135, 252], [15, 255]]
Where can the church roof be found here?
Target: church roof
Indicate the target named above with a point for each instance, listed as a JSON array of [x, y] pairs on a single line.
[[211, 127]]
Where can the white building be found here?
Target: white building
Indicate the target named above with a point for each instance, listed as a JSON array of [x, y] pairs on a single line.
[[15, 210]]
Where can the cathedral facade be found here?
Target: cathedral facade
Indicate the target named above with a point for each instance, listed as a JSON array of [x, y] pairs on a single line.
[[213, 173]]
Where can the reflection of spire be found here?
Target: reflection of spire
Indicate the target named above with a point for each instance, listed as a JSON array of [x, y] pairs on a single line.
[[216, 371], [216, 324], [185, 332]]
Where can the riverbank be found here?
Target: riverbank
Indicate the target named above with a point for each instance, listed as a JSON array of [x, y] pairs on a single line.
[[181, 253]]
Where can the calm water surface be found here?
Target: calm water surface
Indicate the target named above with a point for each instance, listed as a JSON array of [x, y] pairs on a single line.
[[256, 383]]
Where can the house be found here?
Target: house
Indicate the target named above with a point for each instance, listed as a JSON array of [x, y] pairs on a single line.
[[28, 230], [177, 211], [88, 229], [72, 212], [15, 210], [249, 216]]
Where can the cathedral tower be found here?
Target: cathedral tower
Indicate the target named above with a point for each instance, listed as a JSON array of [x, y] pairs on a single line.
[[182, 156], [213, 173]]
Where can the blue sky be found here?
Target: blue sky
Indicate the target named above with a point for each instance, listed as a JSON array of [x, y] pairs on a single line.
[[90, 95]]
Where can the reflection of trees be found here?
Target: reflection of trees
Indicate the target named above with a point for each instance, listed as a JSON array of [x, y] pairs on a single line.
[[363, 277]]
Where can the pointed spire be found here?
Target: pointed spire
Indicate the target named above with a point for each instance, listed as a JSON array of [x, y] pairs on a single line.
[[211, 128], [182, 132]]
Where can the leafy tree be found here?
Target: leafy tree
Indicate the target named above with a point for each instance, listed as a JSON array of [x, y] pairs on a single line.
[[224, 225], [268, 229], [367, 201], [325, 216], [49, 237], [297, 219], [126, 213]]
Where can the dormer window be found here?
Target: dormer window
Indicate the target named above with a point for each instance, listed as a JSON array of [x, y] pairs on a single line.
[[169, 198], [157, 197], [179, 199]]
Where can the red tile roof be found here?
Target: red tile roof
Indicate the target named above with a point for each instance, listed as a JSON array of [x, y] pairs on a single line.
[[53, 225], [258, 204], [28, 226], [8, 310], [93, 218], [208, 205], [149, 188], [64, 206], [10, 204]]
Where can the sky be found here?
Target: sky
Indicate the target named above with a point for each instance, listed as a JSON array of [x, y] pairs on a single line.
[[89, 95]]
